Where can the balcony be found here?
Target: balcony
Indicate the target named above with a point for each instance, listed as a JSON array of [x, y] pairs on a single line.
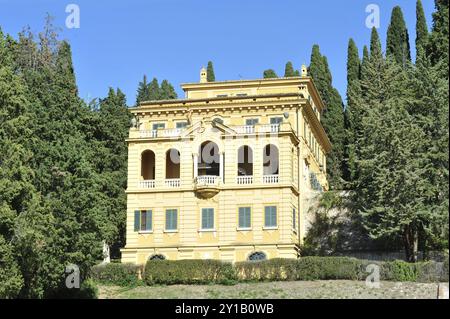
[[173, 183], [271, 179], [207, 186], [147, 184], [176, 132], [244, 180], [252, 129]]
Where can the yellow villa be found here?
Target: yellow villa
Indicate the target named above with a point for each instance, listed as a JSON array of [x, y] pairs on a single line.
[[225, 173]]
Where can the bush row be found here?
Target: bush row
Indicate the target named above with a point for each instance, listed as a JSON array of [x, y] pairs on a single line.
[[117, 274], [170, 272]]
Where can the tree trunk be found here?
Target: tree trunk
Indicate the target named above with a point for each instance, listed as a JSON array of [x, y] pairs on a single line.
[[411, 243]]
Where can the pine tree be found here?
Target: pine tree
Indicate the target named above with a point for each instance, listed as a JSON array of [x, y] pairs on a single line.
[[143, 93], [333, 116], [421, 29], [289, 70], [210, 72], [167, 91], [398, 38], [154, 91], [269, 74]]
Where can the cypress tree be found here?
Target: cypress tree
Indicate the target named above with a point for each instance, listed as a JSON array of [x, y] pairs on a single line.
[[269, 74], [333, 117], [210, 76], [421, 29], [353, 96], [375, 46], [437, 48], [398, 38], [289, 70]]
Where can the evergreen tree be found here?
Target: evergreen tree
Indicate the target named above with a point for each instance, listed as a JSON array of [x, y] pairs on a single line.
[[333, 116], [289, 70], [398, 38], [154, 90], [143, 92], [167, 91], [421, 29], [437, 48], [353, 96], [210, 72], [269, 74]]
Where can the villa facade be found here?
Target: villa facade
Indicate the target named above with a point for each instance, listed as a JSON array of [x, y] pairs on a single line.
[[225, 172]]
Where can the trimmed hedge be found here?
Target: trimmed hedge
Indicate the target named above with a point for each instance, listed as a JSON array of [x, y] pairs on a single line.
[[116, 274], [267, 270], [172, 272]]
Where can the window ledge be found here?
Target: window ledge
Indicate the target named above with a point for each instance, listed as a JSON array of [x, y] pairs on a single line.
[[207, 230], [244, 229], [171, 231], [270, 228], [145, 232]]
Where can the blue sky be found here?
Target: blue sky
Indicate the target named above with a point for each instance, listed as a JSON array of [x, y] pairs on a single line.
[[119, 41]]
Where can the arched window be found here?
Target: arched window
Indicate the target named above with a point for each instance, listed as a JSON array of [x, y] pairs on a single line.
[[209, 159], [271, 160], [157, 257], [172, 164], [257, 256], [148, 165], [245, 161]]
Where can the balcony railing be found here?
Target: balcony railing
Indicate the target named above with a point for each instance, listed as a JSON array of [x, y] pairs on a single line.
[[207, 180], [147, 184], [271, 179], [244, 180], [247, 129], [173, 182], [270, 128], [175, 132]]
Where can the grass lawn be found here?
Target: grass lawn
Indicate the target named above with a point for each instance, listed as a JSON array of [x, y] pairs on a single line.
[[338, 289]]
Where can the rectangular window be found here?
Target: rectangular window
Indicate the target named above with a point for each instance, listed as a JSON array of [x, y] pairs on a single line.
[[245, 217], [251, 122], [207, 218], [276, 120], [143, 220], [241, 94], [157, 126], [181, 124], [270, 216], [171, 219]]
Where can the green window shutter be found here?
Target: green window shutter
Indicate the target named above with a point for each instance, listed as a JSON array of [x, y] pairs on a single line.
[[149, 220], [137, 222]]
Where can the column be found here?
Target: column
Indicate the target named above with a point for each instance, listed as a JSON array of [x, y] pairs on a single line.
[[195, 165], [221, 166]]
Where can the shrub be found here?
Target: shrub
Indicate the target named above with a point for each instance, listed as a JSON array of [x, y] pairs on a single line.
[[116, 274], [267, 270], [398, 270], [325, 268], [172, 272]]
